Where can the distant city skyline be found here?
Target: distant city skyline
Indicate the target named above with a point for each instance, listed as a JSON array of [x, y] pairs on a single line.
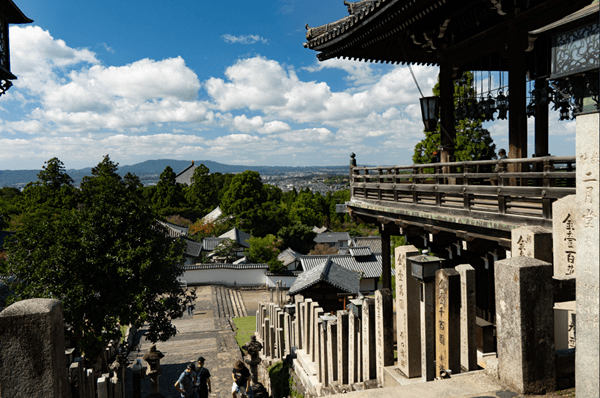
[[222, 81]]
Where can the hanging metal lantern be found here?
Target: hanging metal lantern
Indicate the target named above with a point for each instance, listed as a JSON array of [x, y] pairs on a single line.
[[430, 107], [489, 108], [565, 114], [530, 109], [502, 104]]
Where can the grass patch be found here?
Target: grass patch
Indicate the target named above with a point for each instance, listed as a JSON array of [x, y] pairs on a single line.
[[245, 329]]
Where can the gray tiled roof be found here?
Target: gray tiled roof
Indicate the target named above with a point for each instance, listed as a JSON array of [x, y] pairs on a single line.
[[238, 236], [332, 237], [193, 248], [242, 260], [330, 272], [213, 215], [225, 266], [370, 266], [288, 256], [209, 244], [374, 242], [185, 175], [359, 251]]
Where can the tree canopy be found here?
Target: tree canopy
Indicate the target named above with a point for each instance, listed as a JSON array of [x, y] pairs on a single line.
[[107, 260]]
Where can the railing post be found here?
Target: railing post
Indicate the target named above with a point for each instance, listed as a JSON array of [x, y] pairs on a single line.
[[548, 168]]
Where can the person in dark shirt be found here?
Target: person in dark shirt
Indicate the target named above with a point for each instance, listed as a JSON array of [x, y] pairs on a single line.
[[203, 386], [185, 383], [241, 380]]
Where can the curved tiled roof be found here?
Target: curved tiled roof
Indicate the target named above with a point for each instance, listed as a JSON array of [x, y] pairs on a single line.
[[225, 266], [332, 237], [369, 266], [329, 272], [373, 242]]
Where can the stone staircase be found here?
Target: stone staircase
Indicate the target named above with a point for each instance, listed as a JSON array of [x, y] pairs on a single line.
[[229, 302]]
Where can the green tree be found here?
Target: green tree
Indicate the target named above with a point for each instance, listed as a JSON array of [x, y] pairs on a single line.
[[203, 193], [472, 142], [109, 262], [168, 194], [245, 193], [266, 250], [298, 236]]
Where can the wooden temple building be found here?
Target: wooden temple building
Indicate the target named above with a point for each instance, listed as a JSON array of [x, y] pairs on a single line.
[[452, 208], [9, 14]]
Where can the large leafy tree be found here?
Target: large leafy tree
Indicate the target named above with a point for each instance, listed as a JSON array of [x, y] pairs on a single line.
[[203, 193], [168, 194], [472, 142], [108, 261], [266, 250], [298, 236]]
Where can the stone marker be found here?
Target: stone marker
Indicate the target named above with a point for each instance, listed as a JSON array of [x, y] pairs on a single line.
[[564, 235], [307, 325], [564, 325], [447, 325], [272, 337], [352, 348], [369, 352], [324, 374], [359, 350], [468, 331], [102, 385], [428, 331], [267, 342], [342, 346], [288, 334], [332, 351], [301, 324], [76, 380], [525, 325], [32, 350], [531, 241], [316, 313], [297, 322], [408, 315], [384, 330], [280, 339], [317, 350], [586, 264]]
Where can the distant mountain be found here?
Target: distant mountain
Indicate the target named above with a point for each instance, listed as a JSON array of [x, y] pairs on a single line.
[[149, 171]]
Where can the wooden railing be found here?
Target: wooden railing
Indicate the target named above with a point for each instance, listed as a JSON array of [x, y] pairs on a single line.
[[503, 189]]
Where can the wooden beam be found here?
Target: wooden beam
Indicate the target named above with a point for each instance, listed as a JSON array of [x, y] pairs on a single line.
[[494, 39]]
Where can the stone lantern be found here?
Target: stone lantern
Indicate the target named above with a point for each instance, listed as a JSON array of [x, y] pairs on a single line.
[[153, 357], [423, 267], [253, 347]]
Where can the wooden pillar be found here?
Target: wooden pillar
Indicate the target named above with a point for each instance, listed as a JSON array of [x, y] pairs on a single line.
[[517, 87], [541, 122], [386, 266], [447, 114]]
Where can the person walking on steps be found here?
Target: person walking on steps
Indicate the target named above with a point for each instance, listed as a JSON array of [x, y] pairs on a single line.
[[203, 386], [241, 380], [185, 383]]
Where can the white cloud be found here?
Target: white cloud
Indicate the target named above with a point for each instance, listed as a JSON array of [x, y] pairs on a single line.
[[244, 39], [359, 73]]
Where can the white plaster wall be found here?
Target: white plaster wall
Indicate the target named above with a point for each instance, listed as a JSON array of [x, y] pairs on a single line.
[[288, 280], [241, 277]]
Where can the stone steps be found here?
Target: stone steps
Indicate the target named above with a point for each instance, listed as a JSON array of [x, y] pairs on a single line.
[[229, 302]]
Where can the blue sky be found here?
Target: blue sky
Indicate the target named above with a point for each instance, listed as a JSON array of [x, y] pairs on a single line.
[[223, 81]]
